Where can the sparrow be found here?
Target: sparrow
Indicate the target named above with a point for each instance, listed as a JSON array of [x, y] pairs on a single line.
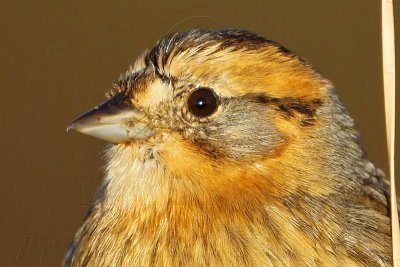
[[227, 149]]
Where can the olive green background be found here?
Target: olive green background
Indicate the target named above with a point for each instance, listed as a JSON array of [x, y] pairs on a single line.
[[58, 58]]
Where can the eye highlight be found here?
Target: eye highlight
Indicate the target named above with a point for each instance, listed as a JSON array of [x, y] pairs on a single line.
[[202, 102]]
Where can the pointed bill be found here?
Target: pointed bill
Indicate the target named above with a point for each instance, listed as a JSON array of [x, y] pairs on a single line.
[[116, 120]]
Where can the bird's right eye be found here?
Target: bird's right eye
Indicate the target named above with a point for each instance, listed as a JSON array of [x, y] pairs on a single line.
[[202, 102]]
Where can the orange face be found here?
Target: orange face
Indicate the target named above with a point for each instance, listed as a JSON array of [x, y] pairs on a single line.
[[203, 101]]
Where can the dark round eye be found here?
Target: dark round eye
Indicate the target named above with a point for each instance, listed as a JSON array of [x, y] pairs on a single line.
[[202, 102]]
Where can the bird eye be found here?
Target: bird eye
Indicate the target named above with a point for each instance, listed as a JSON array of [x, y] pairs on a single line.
[[202, 102]]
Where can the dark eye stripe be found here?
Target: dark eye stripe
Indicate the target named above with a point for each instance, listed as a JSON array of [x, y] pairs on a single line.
[[290, 104]]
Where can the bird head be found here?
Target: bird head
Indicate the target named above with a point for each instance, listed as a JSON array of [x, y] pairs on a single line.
[[218, 108]]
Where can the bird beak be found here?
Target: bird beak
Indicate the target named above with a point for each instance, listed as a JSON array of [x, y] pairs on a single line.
[[116, 120]]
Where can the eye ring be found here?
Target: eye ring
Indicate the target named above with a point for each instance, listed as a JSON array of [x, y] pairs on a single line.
[[202, 102]]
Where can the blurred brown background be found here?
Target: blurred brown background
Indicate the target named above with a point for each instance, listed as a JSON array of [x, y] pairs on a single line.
[[58, 58]]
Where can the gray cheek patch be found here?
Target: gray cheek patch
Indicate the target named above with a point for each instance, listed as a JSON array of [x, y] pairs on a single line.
[[245, 129]]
